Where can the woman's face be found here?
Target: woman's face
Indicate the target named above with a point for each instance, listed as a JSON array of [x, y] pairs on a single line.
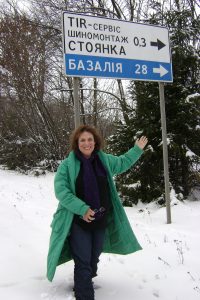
[[86, 143]]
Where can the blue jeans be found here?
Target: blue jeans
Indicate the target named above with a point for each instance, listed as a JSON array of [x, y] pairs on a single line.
[[86, 247]]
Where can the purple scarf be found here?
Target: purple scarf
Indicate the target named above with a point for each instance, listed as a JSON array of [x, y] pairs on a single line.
[[92, 167]]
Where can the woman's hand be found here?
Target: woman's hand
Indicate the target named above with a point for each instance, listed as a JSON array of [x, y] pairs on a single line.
[[88, 217], [141, 142]]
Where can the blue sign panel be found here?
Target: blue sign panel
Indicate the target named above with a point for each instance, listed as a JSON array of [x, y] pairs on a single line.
[[106, 67]]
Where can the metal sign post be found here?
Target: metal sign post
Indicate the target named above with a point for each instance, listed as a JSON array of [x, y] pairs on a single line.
[[165, 151], [76, 102]]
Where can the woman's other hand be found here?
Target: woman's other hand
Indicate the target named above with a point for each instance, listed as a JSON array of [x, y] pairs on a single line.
[[141, 142], [88, 217]]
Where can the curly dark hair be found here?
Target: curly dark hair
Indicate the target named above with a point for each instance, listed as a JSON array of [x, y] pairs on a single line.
[[78, 131]]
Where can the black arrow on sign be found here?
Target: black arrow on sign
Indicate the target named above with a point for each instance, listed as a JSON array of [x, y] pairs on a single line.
[[158, 44]]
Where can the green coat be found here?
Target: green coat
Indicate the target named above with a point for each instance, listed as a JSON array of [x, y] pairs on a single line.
[[119, 237]]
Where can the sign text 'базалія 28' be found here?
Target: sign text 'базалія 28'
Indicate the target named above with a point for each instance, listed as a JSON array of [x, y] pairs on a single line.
[[110, 48]]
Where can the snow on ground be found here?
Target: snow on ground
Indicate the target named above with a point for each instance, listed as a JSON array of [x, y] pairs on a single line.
[[167, 268]]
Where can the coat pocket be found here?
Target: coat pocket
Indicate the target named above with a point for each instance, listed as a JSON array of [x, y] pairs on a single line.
[[58, 220]]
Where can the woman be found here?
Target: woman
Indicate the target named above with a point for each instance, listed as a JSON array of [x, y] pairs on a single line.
[[90, 218]]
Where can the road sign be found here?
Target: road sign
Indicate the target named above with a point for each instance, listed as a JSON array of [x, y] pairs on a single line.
[[110, 48]]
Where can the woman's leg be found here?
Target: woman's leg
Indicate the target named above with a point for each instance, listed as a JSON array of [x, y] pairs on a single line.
[[97, 247], [81, 247]]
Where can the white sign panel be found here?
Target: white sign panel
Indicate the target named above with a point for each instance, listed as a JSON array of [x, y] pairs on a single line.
[[101, 47]]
